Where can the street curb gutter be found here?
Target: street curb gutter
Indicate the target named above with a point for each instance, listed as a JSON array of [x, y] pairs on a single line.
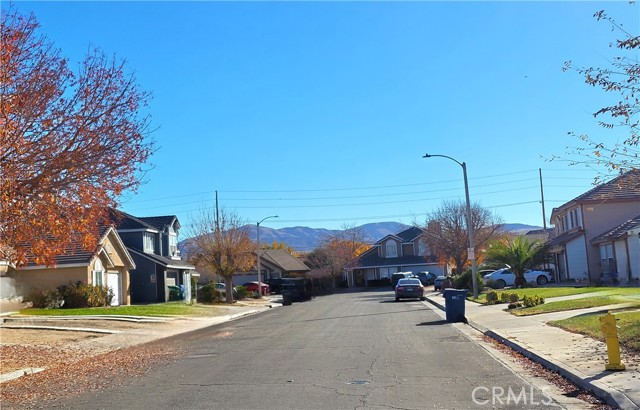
[[612, 397]]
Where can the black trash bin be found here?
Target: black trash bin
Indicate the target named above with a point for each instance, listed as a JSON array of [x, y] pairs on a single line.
[[454, 304], [287, 296]]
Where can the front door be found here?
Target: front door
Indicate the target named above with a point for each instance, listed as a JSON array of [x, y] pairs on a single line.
[[113, 283]]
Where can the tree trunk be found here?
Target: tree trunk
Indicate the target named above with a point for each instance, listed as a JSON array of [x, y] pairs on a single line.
[[228, 281]]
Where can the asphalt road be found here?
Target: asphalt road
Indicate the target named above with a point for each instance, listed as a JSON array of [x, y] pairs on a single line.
[[344, 351]]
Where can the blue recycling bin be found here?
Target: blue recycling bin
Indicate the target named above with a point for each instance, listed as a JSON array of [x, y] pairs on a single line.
[[454, 300]]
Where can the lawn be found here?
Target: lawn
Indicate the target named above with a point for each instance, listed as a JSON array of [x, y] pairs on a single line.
[[582, 303], [628, 327], [553, 292], [160, 309]]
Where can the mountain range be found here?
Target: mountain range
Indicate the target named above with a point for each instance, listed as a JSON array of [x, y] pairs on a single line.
[[302, 238]]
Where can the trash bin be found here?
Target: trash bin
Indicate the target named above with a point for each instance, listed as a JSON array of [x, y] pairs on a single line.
[[287, 296], [454, 304]]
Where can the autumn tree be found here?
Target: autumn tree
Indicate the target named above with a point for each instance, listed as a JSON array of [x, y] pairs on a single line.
[[337, 250], [620, 77], [279, 245], [446, 235], [221, 244], [70, 142]]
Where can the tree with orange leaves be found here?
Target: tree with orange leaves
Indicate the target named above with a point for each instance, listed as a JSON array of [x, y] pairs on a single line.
[[70, 143]]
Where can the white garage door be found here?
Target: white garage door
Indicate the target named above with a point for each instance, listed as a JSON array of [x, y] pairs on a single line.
[[113, 282]]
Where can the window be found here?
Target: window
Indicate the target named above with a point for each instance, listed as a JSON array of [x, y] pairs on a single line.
[[173, 244], [97, 273], [392, 249], [149, 243], [606, 258], [422, 249], [573, 216]]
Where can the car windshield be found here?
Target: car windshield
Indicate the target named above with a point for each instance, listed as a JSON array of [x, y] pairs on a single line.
[[408, 282]]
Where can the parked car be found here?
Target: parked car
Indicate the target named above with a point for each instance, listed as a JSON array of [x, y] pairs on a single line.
[[221, 288], [504, 277], [437, 283], [410, 288], [252, 287], [427, 278], [397, 276]]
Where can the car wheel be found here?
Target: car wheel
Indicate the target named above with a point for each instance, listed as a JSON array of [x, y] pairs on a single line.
[[542, 280], [397, 299], [501, 283], [423, 298]]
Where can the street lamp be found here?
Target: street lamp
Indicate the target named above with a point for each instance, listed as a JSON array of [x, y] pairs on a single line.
[[258, 253], [471, 250]]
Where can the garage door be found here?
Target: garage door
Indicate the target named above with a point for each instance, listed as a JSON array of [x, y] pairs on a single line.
[[113, 282]]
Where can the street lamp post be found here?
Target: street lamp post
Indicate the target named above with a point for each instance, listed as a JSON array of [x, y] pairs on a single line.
[[258, 252], [471, 250]]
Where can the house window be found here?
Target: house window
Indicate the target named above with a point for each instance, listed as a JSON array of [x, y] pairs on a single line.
[[392, 249], [422, 248], [149, 242], [173, 244], [606, 258], [97, 273], [573, 217]]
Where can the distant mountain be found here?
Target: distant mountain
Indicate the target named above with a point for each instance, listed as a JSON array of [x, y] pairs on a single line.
[[302, 238]]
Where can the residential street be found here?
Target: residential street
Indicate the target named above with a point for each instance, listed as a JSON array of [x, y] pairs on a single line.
[[351, 350]]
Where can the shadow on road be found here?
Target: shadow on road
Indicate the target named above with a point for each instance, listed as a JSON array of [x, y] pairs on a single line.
[[434, 323]]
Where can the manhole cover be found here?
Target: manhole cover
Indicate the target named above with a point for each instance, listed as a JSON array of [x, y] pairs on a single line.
[[358, 382]]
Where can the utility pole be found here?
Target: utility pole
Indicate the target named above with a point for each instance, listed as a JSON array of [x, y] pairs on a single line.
[[544, 218]]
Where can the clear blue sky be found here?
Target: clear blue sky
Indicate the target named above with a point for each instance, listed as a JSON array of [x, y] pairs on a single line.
[[320, 112]]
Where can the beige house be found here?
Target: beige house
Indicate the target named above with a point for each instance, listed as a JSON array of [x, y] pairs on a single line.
[[108, 265], [587, 228]]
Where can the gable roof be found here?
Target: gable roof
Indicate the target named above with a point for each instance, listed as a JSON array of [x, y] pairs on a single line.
[[625, 186], [284, 260], [159, 222], [75, 254], [123, 221], [405, 236], [617, 232]]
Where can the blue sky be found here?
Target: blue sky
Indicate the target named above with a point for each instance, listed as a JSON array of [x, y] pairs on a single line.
[[320, 112]]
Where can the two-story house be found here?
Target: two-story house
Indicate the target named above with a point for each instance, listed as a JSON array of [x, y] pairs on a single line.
[[587, 228], [401, 252], [153, 245]]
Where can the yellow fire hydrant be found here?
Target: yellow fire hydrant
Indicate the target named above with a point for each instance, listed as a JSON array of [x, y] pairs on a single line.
[[608, 325]]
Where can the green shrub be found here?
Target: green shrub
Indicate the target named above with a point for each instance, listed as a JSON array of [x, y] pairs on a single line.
[[48, 299], [513, 297], [208, 294], [514, 305], [83, 295], [492, 297], [241, 292], [464, 280], [531, 301]]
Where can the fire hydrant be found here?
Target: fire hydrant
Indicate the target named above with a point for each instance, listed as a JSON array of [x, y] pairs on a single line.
[[608, 325]]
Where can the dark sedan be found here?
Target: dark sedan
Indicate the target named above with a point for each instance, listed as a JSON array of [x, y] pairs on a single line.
[[410, 288]]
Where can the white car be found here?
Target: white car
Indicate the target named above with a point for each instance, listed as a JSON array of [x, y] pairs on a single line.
[[504, 277]]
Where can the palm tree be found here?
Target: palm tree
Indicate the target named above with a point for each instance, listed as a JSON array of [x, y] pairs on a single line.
[[519, 254]]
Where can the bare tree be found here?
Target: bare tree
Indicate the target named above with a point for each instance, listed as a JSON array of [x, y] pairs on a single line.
[[222, 246], [337, 251], [620, 76], [445, 231]]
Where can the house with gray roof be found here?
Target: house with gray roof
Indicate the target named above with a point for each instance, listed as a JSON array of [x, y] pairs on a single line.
[[274, 264], [153, 245], [593, 239], [404, 251]]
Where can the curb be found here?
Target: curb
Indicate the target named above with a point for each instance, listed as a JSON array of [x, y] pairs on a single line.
[[612, 397]]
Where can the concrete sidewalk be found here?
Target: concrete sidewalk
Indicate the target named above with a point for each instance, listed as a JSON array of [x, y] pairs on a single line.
[[580, 359]]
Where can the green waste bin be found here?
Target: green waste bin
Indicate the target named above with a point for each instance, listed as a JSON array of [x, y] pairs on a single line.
[[454, 300]]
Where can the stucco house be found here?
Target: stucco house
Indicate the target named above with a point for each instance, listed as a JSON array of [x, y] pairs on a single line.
[[594, 237], [274, 264], [107, 265], [153, 245], [401, 252]]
